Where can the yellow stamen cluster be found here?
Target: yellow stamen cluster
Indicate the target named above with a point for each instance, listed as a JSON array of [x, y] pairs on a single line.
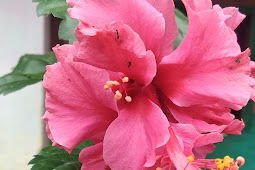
[[118, 95], [229, 163], [158, 168], [225, 163]]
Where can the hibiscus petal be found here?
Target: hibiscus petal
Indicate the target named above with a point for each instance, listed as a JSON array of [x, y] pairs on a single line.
[[230, 15], [66, 51], [132, 138], [192, 139], [140, 15], [206, 119], [206, 39], [117, 48], [197, 5], [78, 108], [176, 154], [166, 7], [234, 17], [224, 81], [234, 128], [202, 151], [92, 157]]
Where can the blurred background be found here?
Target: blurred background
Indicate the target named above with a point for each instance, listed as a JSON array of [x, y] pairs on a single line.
[[21, 126]]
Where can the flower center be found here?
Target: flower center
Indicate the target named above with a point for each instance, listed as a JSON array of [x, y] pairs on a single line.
[[121, 88]]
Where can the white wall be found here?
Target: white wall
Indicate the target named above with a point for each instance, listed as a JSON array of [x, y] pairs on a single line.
[[21, 31]]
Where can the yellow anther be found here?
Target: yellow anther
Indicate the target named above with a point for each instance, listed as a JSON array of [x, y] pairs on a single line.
[[106, 87], [241, 160], [128, 99], [228, 159], [110, 83], [116, 83], [220, 166], [190, 158], [117, 95], [226, 164], [125, 79], [158, 168], [217, 161]]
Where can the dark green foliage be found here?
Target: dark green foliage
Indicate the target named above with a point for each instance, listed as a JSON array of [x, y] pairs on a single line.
[[55, 158], [29, 70]]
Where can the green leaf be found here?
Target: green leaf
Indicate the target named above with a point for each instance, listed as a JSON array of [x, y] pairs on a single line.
[[29, 70], [58, 8], [182, 24], [66, 29], [55, 7], [55, 158]]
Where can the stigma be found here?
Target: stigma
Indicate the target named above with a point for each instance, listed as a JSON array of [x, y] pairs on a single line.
[[121, 89]]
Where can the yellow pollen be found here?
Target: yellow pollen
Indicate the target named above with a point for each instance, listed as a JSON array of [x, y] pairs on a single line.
[[116, 83], [158, 168], [117, 95], [228, 159], [106, 87], [110, 83], [190, 158], [220, 166], [125, 79], [128, 99], [217, 161]]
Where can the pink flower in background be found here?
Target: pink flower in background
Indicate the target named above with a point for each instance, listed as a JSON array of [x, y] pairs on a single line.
[[121, 86]]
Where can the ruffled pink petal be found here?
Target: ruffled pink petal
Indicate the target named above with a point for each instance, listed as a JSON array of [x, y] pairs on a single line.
[[197, 5], [117, 48], [166, 7], [202, 151], [231, 14], [206, 119], [66, 51], [192, 139], [234, 127], [78, 108], [206, 39], [92, 157], [176, 154], [140, 15], [131, 139], [224, 81]]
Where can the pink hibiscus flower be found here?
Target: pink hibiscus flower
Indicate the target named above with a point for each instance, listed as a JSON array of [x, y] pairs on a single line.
[[120, 84]]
